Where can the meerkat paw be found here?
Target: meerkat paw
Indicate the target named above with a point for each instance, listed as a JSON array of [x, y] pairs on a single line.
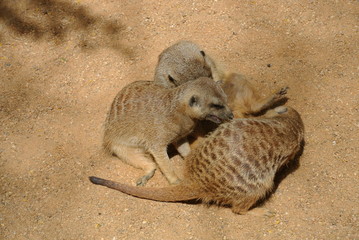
[[176, 182], [183, 147], [143, 180], [173, 179], [282, 91], [279, 95]]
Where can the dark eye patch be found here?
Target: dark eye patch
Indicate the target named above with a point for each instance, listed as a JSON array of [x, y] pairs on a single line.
[[216, 106], [203, 53], [172, 79], [193, 101]]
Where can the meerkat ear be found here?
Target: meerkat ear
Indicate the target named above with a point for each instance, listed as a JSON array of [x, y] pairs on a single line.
[[203, 53], [193, 101]]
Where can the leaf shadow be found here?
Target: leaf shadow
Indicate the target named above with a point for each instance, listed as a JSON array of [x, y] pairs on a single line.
[[61, 21]]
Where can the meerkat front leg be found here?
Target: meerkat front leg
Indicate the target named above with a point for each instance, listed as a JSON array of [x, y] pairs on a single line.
[[163, 162], [183, 147]]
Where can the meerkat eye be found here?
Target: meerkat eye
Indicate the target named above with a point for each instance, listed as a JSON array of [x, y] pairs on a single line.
[[203, 53], [172, 79], [217, 106]]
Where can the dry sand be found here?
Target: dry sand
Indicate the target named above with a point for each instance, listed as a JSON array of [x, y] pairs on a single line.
[[62, 63]]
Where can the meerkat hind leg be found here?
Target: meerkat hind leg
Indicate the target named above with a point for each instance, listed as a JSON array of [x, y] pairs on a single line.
[[138, 158], [267, 102]]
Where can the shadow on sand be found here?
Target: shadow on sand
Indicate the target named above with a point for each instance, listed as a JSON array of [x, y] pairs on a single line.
[[58, 21]]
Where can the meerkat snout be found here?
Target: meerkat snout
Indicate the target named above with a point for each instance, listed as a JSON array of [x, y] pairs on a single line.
[[211, 106], [216, 113], [220, 113]]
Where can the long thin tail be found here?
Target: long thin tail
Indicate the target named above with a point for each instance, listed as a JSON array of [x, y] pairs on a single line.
[[167, 194]]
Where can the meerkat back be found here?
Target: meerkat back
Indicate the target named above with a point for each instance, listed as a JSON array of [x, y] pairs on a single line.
[[237, 163]]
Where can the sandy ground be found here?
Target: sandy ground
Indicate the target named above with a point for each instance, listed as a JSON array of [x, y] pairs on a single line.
[[62, 62]]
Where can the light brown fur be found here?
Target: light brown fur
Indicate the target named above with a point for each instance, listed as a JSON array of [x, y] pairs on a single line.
[[185, 61], [144, 118], [243, 100], [235, 165], [182, 62]]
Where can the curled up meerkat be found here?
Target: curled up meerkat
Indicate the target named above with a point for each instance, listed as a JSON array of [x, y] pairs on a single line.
[[145, 118], [235, 165]]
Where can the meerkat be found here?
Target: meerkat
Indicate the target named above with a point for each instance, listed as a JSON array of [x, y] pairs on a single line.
[[145, 118], [182, 62], [235, 165]]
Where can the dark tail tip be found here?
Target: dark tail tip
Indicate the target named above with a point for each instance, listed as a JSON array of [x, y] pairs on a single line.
[[96, 180]]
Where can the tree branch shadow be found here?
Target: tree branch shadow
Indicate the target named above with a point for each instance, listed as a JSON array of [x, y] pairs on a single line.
[[61, 21]]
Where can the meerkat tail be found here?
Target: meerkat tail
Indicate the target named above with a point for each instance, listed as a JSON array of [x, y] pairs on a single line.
[[166, 194]]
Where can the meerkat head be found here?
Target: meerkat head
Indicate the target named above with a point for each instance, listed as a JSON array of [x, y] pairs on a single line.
[[205, 100], [182, 62]]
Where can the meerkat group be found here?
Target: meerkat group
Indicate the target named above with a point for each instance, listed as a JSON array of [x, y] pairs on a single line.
[[232, 163]]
